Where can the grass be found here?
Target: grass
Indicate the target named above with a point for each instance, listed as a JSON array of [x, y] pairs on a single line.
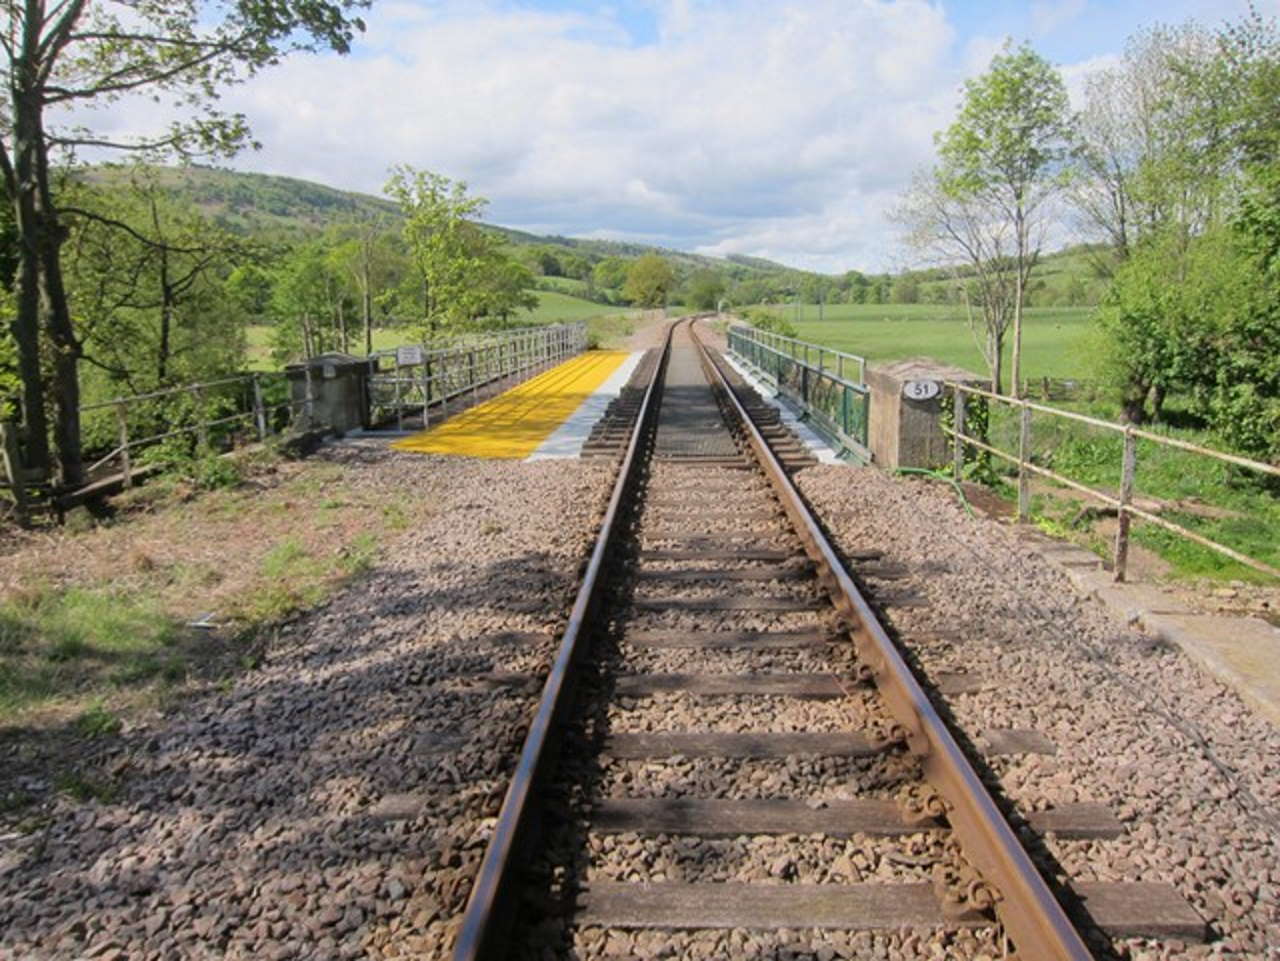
[[1056, 340], [1216, 500], [96, 624], [60, 642]]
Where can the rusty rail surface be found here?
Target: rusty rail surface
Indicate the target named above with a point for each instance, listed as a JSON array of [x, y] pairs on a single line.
[[487, 919], [1024, 905]]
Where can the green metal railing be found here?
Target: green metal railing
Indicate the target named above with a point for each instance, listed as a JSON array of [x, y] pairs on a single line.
[[826, 385]]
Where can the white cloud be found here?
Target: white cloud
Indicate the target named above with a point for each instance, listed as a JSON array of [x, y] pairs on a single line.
[[1048, 15], [772, 128], [779, 128]]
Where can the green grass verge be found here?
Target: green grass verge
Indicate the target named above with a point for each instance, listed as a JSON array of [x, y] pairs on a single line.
[[1216, 500], [54, 643]]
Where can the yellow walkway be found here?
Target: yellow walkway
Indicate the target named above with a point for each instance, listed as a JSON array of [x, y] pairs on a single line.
[[514, 423]]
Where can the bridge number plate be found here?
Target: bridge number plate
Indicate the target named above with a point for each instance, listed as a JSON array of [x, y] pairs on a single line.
[[921, 389], [408, 356]]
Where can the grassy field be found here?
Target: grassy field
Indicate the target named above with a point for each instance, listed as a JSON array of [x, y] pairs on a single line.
[[1056, 340], [609, 325]]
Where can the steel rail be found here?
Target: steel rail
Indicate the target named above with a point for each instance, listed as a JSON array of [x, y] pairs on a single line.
[[1025, 906], [486, 921]]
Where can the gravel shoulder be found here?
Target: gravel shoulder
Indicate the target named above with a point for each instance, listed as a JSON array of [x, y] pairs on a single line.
[[334, 802], [1192, 772]]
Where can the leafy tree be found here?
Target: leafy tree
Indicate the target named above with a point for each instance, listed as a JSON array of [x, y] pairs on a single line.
[[1151, 154], [306, 297], [705, 289], [1005, 152], [369, 261], [611, 273], [466, 273], [248, 291], [650, 280], [906, 290], [144, 272], [73, 53]]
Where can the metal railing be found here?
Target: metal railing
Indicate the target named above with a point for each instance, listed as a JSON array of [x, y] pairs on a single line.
[[210, 410], [415, 379], [1123, 504], [818, 380]]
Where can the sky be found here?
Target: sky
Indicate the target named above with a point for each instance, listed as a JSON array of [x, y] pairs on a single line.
[[784, 129]]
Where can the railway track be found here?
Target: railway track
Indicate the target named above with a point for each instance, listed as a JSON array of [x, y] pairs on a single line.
[[711, 753]]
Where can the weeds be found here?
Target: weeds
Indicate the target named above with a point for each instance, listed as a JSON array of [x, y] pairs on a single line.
[[83, 788], [97, 721]]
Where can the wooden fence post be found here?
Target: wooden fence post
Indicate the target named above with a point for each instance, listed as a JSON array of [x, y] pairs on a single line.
[[960, 408], [259, 411], [126, 462], [202, 429], [1024, 475], [1128, 468]]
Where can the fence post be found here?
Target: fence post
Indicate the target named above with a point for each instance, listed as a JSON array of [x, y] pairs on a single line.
[[399, 398], [202, 430], [13, 468], [959, 409], [126, 463], [259, 411], [1024, 475], [471, 369], [427, 381], [1128, 468]]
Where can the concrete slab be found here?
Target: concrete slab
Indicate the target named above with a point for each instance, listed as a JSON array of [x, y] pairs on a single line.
[[1241, 652]]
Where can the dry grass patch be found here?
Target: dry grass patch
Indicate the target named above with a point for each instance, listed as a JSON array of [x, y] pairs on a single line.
[[176, 593]]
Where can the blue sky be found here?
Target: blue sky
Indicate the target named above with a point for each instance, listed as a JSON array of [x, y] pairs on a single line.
[[779, 128]]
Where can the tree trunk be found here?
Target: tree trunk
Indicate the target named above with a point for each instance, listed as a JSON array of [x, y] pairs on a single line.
[[997, 361], [1133, 403], [1018, 295], [1157, 402], [41, 299], [367, 307], [26, 324]]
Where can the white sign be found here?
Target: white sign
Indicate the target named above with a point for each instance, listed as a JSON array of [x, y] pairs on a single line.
[[408, 356], [330, 371], [921, 389]]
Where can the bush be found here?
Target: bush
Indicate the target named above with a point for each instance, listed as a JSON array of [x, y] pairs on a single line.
[[762, 318]]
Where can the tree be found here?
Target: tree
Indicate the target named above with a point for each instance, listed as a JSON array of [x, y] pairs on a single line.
[[144, 275], [73, 53], [1149, 154], [611, 273], [466, 272], [1006, 152], [972, 242], [649, 281], [366, 259], [705, 289]]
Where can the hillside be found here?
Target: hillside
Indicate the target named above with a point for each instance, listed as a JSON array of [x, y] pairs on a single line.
[[264, 203]]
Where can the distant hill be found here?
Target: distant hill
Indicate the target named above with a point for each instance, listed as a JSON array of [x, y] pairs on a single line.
[[258, 203], [286, 207]]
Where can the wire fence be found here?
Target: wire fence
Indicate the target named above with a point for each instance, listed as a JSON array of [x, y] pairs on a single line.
[[818, 380], [1124, 462]]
